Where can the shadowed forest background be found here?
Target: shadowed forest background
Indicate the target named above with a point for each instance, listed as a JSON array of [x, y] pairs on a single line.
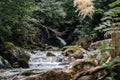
[[36, 23], [61, 25]]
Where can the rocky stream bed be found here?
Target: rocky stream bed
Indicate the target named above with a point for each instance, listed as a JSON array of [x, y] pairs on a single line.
[[71, 63], [40, 62]]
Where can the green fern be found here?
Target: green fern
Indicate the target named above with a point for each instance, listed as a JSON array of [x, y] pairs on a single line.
[[105, 24], [116, 3], [112, 14]]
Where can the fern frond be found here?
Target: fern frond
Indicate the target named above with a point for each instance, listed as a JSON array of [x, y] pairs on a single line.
[[117, 2]]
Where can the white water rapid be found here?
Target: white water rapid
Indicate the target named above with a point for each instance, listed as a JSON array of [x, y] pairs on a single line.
[[39, 60]]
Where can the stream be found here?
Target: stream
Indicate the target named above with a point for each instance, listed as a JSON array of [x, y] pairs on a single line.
[[39, 62]]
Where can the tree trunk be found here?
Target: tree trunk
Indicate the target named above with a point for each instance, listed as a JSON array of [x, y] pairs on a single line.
[[116, 42]]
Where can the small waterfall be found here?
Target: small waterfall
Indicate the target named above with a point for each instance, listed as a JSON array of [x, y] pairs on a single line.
[[62, 41]]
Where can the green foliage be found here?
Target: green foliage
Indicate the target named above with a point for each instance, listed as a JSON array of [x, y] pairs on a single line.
[[98, 25], [103, 47], [83, 30], [110, 17], [105, 24], [49, 12], [55, 14], [115, 3], [114, 10], [9, 45], [13, 15]]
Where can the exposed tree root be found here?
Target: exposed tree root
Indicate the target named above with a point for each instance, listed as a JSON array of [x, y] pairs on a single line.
[[89, 72], [93, 71]]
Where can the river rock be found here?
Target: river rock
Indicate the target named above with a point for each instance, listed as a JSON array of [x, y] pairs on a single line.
[[77, 55], [50, 54], [77, 50], [51, 48], [21, 63], [4, 63]]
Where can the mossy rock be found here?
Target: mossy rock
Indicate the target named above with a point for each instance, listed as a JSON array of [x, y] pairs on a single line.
[[50, 54], [28, 73], [72, 49], [79, 65], [23, 63], [77, 55], [89, 61], [9, 45]]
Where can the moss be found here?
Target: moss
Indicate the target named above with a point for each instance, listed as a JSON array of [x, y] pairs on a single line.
[[89, 61], [79, 65], [71, 49], [9, 45]]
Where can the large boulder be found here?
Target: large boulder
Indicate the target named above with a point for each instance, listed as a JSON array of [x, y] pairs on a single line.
[[77, 55], [16, 56], [68, 50], [4, 63]]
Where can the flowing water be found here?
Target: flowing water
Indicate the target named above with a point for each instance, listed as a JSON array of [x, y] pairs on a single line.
[[41, 61], [38, 61]]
